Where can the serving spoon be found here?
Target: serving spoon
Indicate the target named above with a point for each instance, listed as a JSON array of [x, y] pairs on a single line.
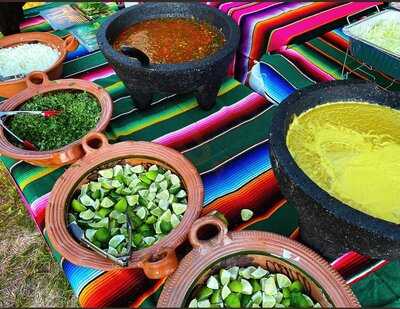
[[134, 52]]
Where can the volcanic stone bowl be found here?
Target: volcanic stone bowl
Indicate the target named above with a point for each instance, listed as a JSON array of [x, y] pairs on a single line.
[[215, 248], [204, 76], [326, 224]]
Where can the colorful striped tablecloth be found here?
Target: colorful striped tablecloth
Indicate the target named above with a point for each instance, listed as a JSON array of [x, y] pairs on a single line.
[[228, 145]]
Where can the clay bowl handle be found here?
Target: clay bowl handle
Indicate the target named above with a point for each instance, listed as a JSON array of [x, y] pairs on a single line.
[[36, 79], [70, 43], [212, 224], [94, 141], [159, 265]]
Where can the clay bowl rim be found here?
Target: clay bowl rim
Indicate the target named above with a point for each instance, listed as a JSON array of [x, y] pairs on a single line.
[[102, 97], [23, 38], [230, 44], [67, 185], [237, 244], [282, 156]]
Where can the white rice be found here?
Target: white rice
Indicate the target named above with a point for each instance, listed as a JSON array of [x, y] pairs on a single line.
[[25, 58]]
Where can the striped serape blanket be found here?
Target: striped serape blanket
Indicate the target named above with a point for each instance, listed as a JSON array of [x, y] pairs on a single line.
[[236, 174]]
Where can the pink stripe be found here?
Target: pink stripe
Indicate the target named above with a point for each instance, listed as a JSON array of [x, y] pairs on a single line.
[[39, 204], [314, 70], [99, 73], [372, 270], [237, 15], [31, 21], [225, 7], [212, 120], [284, 35]]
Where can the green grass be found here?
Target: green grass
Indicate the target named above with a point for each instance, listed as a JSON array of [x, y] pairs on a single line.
[[29, 277]]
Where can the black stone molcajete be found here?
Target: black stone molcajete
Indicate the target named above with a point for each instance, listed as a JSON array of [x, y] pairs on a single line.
[[326, 224], [203, 77]]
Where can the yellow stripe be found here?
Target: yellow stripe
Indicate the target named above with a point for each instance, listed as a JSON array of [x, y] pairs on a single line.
[[39, 173]]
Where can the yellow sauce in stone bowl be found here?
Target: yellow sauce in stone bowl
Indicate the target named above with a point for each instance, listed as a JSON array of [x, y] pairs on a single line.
[[352, 151]]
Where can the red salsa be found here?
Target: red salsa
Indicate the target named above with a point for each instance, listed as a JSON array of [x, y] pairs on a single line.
[[172, 40]]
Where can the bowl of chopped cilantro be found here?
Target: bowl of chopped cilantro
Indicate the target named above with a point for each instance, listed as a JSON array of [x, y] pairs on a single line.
[[81, 107], [128, 204]]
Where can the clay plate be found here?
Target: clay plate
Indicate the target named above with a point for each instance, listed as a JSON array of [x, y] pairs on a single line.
[[38, 83], [270, 251], [158, 260], [10, 88]]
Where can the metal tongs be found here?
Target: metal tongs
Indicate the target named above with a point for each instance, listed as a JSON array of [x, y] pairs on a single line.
[[27, 144], [79, 234], [11, 77]]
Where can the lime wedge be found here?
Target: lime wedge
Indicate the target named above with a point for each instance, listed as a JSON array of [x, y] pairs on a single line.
[[233, 301], [283, 281], [86, 200], [77, 206], [179, 208], [296, 286], [246, 214], [268, 286], [212, 283], [175, 220], [204, 293], [317, 305], [107, 173], [132, 199], [255, 305], [245, 272], [286, 292], [193, 303], [224, 276], [278, 297], [257, 298], [163, 195], [141, 212], [149, 240], [234, 272], [309, 300], [106, 203], [246, 301], [163, 204], [246, 287], [268, 301], [235, 286], [258, 273], [279, 306], [216, 297], [255, 285], [204, 304], [225, 291]]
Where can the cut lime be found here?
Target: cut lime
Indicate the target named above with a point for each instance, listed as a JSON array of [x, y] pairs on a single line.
[[163, 204], [216, 297], [86, 200], [233, 301], [118, 170], [175, 220], [317, 305], [165, 227], [224, 276], [141, 212], [212, 282], [193, 303], [286, 292], [204, 304], [246, 301], [246, 287], [245, 272], [149, 240], [234, 271], [257, 298], [116, 240], [77, 206], [152, 174], [87, 214], [286, 302], [309, 300], [163, 195], [255, 285], [132, 199], [235, 286], [179, 208], [107, 173], [175, 181], [204, 293], [296, 286], [283, 281], [246, 214], [268, 286], [258, 273], [102, 234], [121, 205], [116, 183], [268, 301], [106, 203], [277, 305], [89, 233], [225, 291], [278, 297]]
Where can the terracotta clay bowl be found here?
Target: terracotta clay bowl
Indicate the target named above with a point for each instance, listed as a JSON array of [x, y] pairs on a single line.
[[158, 260], [38, 83], [270, 251], [10, 88]]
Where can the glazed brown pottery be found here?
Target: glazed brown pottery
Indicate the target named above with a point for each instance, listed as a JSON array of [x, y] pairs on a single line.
[[158, 260], [10, 88], [270, 251], [38, 83]]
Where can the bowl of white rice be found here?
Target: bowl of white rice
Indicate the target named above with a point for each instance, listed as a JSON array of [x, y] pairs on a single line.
[[23, 53]]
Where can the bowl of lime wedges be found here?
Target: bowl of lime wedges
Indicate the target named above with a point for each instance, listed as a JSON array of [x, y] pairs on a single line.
[[251, 269]]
